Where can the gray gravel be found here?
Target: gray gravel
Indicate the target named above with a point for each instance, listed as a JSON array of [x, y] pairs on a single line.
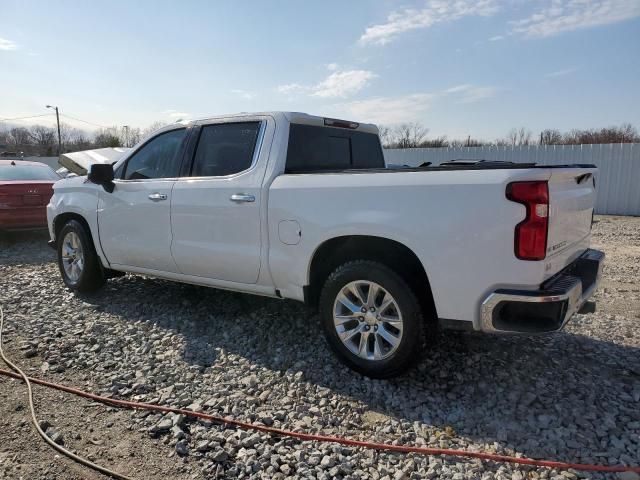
[[571, 396]]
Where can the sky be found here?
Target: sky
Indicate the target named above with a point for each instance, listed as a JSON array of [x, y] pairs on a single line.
[[459, 68]]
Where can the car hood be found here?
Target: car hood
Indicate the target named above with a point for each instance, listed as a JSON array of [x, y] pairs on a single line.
[[80, 162]]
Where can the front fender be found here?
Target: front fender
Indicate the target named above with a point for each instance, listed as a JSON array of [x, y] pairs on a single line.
[[75, 198]]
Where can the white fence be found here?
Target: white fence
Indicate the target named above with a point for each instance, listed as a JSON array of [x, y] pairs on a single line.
[[618, 180]]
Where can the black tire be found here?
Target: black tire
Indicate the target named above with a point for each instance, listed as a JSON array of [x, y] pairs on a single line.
[[92, 275], [410, 348]]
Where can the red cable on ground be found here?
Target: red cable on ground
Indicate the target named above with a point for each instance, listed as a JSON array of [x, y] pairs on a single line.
[[330, 439]]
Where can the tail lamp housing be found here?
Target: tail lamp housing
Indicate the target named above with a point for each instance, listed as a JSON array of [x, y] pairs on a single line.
[[530, 240]]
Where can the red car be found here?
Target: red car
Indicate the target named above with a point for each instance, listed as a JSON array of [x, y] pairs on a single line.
[[25, 190]]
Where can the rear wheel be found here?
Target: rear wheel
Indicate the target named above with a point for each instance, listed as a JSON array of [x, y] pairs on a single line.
[[372, 319], [77, 259]]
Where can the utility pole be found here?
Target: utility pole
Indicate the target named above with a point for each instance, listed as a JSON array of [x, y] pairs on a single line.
[[58, 121], [126, 135]]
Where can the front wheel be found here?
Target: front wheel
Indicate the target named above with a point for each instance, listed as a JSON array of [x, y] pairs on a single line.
[[77, 259], [372, 319]]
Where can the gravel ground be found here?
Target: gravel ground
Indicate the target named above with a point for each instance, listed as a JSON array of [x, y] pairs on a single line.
[[572, 396]]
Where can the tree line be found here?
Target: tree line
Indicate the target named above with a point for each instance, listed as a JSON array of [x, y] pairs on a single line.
[[40, 140], [415, 135]]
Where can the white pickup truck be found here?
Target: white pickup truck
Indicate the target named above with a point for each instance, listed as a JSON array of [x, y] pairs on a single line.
[[290, 205]]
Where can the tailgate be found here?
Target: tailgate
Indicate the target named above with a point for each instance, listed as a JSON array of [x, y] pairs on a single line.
[[572, 197]]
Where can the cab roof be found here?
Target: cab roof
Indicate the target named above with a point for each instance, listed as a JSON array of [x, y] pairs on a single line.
[[297, 117]]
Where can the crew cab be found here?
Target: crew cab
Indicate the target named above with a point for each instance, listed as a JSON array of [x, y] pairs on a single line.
[[295, 206]]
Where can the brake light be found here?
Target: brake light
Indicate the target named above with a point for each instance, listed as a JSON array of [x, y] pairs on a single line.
[[334, 122], [531, 233]]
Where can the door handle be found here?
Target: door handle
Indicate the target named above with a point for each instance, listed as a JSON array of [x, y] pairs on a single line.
[[156, 197], [242, 197]]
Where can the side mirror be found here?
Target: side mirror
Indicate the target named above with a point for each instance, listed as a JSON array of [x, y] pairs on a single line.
[[102, 174]]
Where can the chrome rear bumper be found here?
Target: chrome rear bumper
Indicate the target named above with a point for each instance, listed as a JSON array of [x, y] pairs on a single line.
[[549, 308]]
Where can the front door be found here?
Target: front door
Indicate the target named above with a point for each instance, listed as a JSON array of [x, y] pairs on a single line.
[[134, 220], [215, 214]]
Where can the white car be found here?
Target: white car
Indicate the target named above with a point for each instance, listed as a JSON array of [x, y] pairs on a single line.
[[290, 205]]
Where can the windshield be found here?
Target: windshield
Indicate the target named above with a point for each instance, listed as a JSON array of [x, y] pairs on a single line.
[[27, 172]]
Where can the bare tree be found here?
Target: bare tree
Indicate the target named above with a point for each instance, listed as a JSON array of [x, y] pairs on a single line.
[[386, 137], [153, 127], [518, 137], [409, 135], [129, 136], [550, 136], [438, 142], [42, 135], [107, 137], [524, 136], [5, 137], [19, 136], [625, 133], [628, 133]]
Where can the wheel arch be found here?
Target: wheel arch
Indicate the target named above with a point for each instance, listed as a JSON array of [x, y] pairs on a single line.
[[395, 255], [63, 218]]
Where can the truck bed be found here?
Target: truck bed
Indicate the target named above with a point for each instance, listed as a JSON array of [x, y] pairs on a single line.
[[457, 220]]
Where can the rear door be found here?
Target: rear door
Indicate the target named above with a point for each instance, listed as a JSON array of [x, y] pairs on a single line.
[[215, 214], [134, 220], [572, 197]]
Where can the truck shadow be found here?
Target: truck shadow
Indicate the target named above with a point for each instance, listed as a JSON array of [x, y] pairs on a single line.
[[532, 394]]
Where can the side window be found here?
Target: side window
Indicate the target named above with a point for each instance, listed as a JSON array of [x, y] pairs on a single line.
[[158, 158], [225, 149]]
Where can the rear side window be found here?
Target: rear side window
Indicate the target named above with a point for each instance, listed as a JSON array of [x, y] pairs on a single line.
[[317, 149], [27, 172], [225, 149]]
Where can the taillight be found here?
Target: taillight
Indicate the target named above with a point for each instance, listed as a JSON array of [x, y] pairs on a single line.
[[531, 233]]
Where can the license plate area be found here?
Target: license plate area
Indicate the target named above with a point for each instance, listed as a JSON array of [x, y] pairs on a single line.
[[32, 199]]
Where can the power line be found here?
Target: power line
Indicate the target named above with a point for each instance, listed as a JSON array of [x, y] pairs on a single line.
[[83, 121], [24, 118]]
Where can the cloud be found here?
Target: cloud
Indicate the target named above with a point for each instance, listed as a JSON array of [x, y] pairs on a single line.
[[560, 73], [291, 88], [244, 94], [496, 38], [176, 114], [343, 84], [560, 16], [468, 93], [338, 84], [409, 108], [7, 44], [436, 11], [332, 66], [388, 110]]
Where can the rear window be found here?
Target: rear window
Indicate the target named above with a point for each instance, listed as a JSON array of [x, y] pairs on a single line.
[[317, 149], [27, 172]]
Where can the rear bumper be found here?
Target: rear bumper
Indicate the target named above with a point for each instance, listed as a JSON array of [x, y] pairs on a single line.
[[23, 218], [549, 308]]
